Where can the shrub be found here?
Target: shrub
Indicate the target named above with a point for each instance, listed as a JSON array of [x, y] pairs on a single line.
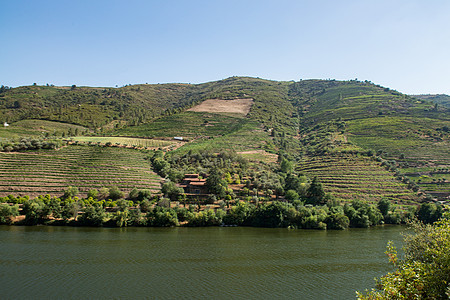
[[7, 212], [115, 193], [71, 192]]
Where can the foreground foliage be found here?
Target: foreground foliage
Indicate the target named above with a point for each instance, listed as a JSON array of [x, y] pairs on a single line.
[[424, 272]]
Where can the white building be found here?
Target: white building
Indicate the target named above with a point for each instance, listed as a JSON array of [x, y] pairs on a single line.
[[5, 124]]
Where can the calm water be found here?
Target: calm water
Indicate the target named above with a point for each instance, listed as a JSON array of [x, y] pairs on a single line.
[[190, 263]]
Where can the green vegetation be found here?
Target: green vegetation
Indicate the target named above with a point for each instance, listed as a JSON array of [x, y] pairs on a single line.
[[441, 99], [350, 176], [39, 129], [187, 124], [352, 140], [424, 272], [123, 141], [160, 213], [25, 144], [419, 139], [84, 167]]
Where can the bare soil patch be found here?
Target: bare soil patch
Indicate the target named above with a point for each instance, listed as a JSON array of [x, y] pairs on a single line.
[[259, 155], [237, 106]]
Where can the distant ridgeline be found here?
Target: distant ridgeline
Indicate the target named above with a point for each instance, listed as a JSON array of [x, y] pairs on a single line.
[[264, 141], [440, 99]]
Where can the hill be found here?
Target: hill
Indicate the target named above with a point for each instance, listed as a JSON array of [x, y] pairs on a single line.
[[441, 99], [297, 122]]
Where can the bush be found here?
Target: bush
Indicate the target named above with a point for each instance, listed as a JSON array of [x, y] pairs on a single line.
[[93, 193], [162, 217], [207, 218], [7, 212], [92, 216], [115, 193], [292, 195], [71, 192]]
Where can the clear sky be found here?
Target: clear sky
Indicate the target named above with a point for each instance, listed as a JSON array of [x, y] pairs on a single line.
[[404, 44]]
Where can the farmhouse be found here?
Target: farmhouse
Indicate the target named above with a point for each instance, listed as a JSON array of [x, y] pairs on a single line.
[[193, 185]]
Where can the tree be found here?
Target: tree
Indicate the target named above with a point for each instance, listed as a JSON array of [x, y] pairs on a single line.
[[115, 193], [424, 272], [171, 190], [133, 194], [291, 195], [429, 212], [34, 211], [286, 166], [216, 184], [7, 212], [69, 210], [92, 193], [384, 205], [71, 192], [92, 216], [103, 193], [315, 193], [144, 195]]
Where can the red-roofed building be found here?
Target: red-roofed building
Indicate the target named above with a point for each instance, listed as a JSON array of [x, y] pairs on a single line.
[[193, 185]]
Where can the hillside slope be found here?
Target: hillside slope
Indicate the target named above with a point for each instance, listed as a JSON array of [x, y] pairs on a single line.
[[440, 99], [293, 120]]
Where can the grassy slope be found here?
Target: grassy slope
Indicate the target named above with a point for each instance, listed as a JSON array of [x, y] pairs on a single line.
[[185, 124], [440, 99], [287, 117], [37, 128], [92, 107]]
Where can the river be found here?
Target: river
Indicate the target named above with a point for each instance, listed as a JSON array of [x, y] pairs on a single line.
[[45, 262]]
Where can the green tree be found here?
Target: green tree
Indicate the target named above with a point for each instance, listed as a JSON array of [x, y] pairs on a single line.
[[215, 184], [92, 193], [69, 210], [429, 212], [120, 218], [384, 205], [144, 195], [71, 192], [133, 194], [103, 193], [162, 217], [238, 214], [171, 190], [92, 216], [286, 166], [291, 195], [7, 212], [424, 272], [115, 193], [315, 194], [34, 211]]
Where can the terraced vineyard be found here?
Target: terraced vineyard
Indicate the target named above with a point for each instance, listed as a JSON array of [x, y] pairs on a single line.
[[125, 141], [434, 180], [350, 177], [50, 172], [187, 124]]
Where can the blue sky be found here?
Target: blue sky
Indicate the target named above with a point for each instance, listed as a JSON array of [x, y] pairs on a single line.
[[404, 45]]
